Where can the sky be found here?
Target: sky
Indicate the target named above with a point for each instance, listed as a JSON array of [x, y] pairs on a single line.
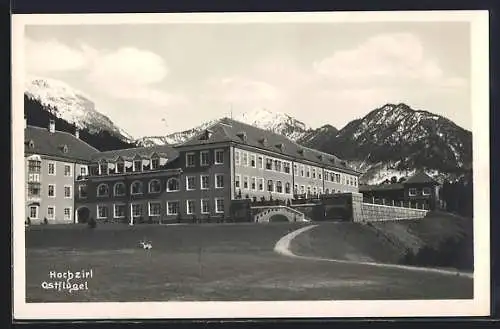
[[155, 79]]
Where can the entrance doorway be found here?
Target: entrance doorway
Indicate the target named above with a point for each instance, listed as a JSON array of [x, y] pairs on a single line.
[[82, 215]]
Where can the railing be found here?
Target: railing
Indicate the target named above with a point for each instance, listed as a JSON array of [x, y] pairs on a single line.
[[413, 204]]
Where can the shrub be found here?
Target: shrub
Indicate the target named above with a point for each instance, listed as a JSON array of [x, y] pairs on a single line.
[[28, 221], [45, 221], [92, 223]]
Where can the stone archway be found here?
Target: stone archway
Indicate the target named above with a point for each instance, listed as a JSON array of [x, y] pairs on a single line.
[[82, 215]]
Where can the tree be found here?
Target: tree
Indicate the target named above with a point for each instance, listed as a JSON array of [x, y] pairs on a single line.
[[402, 180], [92, 223], [394, 180], [45, 221]]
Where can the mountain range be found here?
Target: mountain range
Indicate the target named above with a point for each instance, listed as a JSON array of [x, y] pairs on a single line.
[[393, 140]]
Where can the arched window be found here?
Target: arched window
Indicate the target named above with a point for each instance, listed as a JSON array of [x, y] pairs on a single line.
[[154, 186], [119, 189], [102, 190], [173, 184], [287, 188], [327, 191], [136, 187], [279, 187]]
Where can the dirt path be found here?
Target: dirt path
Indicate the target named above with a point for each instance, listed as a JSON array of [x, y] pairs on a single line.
[[283, 247]]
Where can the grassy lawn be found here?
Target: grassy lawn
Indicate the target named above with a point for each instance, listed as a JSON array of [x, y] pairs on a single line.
[[223, 262]]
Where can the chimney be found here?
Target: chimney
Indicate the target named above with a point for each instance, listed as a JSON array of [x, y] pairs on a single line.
[[52, 126], [77, 133]]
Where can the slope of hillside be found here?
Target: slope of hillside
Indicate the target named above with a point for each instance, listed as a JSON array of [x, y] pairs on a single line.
[[39, 115], [439, 240], [72, 105], [397, 139]]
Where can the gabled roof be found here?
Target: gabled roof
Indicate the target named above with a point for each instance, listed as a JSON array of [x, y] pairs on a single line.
[[163, 151], [420, 178], [41, 141], [381, 187], [229, 130]]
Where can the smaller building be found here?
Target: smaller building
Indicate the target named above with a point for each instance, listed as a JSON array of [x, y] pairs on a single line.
[[419, 190]]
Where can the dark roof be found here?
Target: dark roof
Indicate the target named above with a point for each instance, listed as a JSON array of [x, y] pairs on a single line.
[[420, 178], [41, 141], [163, 151], [229, 130], [381, 187]]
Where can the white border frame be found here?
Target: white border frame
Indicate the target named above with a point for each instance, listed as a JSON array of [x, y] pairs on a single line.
[[479, 306]]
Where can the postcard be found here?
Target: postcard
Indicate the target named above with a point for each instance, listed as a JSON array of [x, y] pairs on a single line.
[[251, 165]]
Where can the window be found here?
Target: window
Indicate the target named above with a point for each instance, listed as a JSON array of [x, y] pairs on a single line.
[[119, 211], [270, 185], [295, 170], [302, 189], [83, 171], [279, 187], [343, 179], [67, 213], [308, 171], [190, 160], [219, 181], [119, 189], [355, 181], [82, 191], [315, 190], [205, 208], [172, 207], [426, 191], [33, 190], [296, 189], [287, 188], [277, 165], [269, 164], [155, 163], [154, 186], [173, 184], [52, 190], [52, 168], [302, 168], [204, 182], [102, 212], [154, 209], [254, 183], [51, 212], [120, 167], [204, 158], [190, 207], [34, 212], [308, 190], [319, 174], [67, 192], [137, 166], [260, 162], [286, 167], [67, 170], [237, 181], [136, 210], [261, 184], [252, 161], [337, 178], [244, 158], [190, 183], [314, 173], [34, 166], [237, 158], [412, 191], [219, 156], [327, 191], [136, 188], [245, 182], [219, 205]]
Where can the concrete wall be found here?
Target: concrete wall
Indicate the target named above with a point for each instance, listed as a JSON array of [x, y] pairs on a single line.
[[368, 212]]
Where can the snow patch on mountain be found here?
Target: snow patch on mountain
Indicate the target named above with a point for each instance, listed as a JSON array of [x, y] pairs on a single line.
[[71, 105]]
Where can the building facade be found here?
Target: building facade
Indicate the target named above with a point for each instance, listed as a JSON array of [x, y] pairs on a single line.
[[54, 160], [198, 179]]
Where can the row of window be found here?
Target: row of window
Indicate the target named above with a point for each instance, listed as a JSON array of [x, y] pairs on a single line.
[[154, 208], [51, 212], [34, 190], [155, 186], [204, 157], [247, 159], [257, 184], [34, 166], [120, 167], [413, 191]]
